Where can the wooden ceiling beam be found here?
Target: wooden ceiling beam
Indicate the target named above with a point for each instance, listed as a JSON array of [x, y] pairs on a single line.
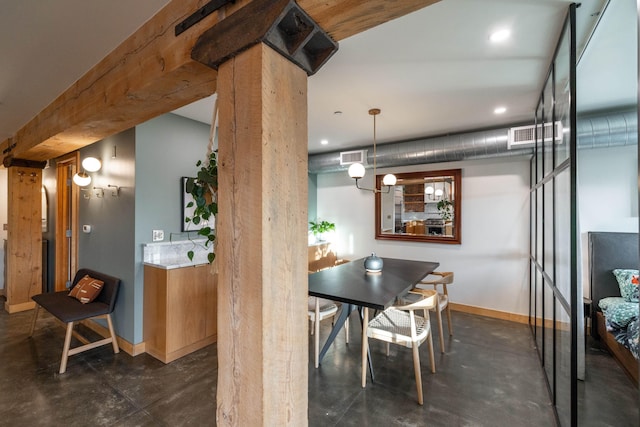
[[152, 73], [345, 18]]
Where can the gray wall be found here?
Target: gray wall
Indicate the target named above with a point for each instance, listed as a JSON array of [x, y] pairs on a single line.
[[149, 162], [313, 197], [109, 247], [167, 148]]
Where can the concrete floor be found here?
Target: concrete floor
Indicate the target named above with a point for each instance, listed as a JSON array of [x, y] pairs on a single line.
[[490, 375]]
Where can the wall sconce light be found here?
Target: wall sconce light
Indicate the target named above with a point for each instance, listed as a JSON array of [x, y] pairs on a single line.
[[81, 179], [91, 164], [439, 193]]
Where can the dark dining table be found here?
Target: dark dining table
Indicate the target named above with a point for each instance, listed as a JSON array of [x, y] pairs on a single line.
[[356, 288]]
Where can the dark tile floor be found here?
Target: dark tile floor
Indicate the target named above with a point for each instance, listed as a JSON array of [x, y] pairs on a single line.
[[489, 376]]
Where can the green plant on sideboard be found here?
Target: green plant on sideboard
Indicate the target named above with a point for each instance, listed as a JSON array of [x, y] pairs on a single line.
[[318, 228], [203, 188]]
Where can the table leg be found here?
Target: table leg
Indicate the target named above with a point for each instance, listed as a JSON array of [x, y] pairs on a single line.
[[344, 314]]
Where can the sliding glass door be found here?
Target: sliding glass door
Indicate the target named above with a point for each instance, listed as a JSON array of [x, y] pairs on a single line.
[[554, 309]]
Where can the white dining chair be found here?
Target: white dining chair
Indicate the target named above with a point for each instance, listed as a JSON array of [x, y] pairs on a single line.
[[320, 309], [400, 324], [435, 279]]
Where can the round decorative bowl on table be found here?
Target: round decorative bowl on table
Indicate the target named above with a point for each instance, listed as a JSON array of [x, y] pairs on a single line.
[[373, 263]]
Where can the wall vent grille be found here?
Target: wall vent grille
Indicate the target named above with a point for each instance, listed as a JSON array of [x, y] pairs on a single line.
[[350, 157], [525, 135]]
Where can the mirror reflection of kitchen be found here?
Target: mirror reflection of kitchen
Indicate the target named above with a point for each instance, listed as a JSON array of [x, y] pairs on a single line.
[[420, 206]]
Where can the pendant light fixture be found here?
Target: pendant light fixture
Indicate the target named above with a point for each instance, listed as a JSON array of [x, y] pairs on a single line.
[[357, 171]]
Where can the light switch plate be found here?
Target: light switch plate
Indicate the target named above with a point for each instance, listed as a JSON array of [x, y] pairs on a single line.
[[158, 235]]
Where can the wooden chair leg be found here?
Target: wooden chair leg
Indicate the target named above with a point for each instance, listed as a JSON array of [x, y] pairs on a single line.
[[449, 324], [416, 368], [432, 358], [35, 317], [65, 349], [440, 331], [114, 341]]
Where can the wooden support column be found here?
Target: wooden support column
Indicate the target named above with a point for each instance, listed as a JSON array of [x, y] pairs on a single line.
[[262, 247], [24, 243]]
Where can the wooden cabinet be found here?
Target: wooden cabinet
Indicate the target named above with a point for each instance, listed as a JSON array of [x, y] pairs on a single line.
[[180, 313], [414, 198]]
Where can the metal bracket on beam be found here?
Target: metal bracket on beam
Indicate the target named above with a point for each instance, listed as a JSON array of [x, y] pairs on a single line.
[[281, 24], [10, 161], [296, 36], [200, 14]]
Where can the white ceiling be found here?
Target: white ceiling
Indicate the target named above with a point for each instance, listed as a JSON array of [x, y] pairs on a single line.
[[431, 72]]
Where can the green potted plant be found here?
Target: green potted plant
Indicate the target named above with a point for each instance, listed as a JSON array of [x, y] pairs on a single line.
[[319, 228], [445, 208], [204, 189]]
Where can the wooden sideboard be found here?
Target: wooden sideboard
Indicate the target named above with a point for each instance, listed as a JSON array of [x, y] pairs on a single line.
[[180, 314], [322, 256]]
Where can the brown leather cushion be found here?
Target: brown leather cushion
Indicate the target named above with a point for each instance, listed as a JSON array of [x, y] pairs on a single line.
[[87, 289]]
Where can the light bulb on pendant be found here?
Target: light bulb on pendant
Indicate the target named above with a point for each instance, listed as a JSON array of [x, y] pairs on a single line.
[[389, 179], [356, 171]]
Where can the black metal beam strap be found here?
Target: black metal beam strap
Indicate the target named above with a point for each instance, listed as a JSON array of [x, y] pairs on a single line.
[[281, 24], [200, 14]]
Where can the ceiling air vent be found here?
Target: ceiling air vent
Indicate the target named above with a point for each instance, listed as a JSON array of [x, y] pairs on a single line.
[[350, 157], [523, 136]]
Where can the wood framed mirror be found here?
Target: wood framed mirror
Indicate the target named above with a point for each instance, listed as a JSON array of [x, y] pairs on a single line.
[[420, 207]]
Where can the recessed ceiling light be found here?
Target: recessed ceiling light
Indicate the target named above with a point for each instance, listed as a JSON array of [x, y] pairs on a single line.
[[500, 110], [324, 142], [499, 36]]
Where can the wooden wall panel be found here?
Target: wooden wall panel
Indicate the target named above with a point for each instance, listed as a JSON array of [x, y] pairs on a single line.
[[24, 243]]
